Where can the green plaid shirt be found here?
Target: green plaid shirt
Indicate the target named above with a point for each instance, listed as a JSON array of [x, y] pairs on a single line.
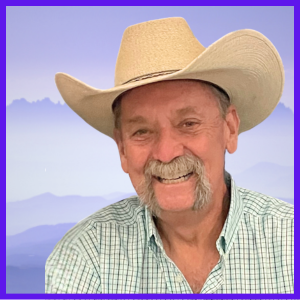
[[118, 250]]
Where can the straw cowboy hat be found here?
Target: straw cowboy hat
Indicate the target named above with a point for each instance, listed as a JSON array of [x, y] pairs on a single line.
[[244, 63]]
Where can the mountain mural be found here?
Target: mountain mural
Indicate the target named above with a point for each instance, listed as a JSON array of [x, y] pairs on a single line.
[[26, 255], [50, 149], [25, 280], [37, 235], [31, 248], [270, 179], [48, 209]]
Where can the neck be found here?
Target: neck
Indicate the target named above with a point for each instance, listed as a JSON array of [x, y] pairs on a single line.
[[198, 229]]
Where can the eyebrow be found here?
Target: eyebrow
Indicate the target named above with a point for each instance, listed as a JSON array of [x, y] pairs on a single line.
[[185, 110], [179, 112], [137, 119]]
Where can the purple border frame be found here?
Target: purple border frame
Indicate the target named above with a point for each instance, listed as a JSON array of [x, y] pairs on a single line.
[[3, 294], [150, 296]]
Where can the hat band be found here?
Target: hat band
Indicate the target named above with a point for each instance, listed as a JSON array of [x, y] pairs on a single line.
[[150, 75]]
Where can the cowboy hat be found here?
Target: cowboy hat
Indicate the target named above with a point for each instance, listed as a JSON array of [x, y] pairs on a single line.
[[243, 63]]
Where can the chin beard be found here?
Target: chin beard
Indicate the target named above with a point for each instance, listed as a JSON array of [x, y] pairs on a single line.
[[179, 165]]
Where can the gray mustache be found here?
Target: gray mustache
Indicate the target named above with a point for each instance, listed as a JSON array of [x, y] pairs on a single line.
[[178, 167]]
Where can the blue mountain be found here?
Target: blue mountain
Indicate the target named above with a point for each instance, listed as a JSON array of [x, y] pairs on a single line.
[[280, 122], [26, 255], [44, 113], [25, 280], [48, 209], [37, 235], [21, 108], [31, 248], [270, 179]]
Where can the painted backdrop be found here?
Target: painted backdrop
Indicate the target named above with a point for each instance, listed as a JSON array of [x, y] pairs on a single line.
[[59, 169]]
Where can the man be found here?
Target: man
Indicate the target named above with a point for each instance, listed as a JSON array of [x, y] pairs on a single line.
[[174, 111]]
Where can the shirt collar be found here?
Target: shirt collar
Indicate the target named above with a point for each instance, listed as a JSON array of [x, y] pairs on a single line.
[[151, 230], [230, 228], [231, 225]]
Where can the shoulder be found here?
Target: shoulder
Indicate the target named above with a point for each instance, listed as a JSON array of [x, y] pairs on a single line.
[[126, 212], [77, 253], [123, 213], [263, 206]]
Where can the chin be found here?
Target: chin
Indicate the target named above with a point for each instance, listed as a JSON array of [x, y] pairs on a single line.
[[179, 196], [175, 204]]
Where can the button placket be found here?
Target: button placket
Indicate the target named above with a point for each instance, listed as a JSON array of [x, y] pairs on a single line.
[[179, 278], [215, 278]]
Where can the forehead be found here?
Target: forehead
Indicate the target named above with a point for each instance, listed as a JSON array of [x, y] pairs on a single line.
[[169, 97]]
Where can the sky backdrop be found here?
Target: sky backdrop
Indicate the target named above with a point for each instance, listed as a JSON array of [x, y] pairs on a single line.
[[84, 41], [52, 154]]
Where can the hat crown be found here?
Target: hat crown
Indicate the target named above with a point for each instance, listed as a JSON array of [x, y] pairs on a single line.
[[155, 47]]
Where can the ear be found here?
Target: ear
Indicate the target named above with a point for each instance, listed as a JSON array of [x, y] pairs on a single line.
[[232, 129], [118, 139]]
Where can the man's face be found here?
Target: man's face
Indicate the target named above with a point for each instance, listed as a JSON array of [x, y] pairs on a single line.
[[169, 122]]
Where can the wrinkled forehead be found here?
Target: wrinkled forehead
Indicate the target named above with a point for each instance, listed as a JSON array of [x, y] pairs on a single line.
[[179, 93], [159, 87], [176, 97]]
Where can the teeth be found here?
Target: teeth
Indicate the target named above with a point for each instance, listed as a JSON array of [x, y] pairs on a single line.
[[176, 180]]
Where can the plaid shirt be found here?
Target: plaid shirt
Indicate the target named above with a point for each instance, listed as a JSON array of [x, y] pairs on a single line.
[[118, 250]]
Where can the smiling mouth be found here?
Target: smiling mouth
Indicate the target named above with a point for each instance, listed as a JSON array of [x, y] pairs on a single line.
[[174, 180]]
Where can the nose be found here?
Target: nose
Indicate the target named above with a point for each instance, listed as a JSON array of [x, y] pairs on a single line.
[[167, 146]]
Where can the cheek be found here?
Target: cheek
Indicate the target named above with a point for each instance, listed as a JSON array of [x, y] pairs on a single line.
[[136, 160], [215, 164], [211, 150]]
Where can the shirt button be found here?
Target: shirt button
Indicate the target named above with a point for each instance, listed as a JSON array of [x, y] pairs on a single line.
[[179, 278]]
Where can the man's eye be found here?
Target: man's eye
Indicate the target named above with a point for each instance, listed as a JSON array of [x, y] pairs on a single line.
[[140, 132], [189, 124]]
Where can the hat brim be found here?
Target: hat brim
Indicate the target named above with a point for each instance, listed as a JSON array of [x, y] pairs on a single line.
[[244, 63]]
